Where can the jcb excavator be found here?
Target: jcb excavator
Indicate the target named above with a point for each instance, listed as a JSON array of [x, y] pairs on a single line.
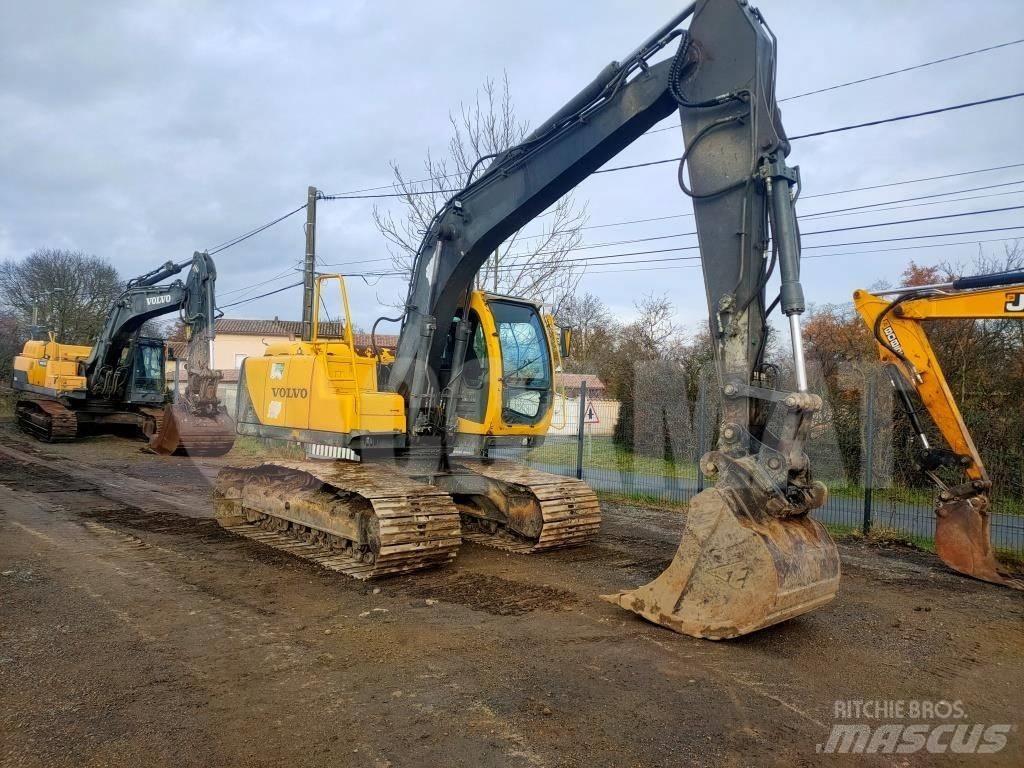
[[119, 380], [750, 555], [963, 520]]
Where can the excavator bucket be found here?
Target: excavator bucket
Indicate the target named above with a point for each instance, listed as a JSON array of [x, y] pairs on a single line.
[[963, 540], [737, 571], [189, 434]]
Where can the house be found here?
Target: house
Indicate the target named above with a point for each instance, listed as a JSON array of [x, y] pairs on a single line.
[[570, 383]]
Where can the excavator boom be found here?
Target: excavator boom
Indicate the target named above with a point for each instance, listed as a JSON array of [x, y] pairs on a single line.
[[963, 519]]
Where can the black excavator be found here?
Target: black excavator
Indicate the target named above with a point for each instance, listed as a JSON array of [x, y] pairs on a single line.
[[120, 381], [750, 555]]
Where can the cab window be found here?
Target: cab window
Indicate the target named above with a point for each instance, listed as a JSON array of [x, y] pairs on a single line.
[[525, 362]]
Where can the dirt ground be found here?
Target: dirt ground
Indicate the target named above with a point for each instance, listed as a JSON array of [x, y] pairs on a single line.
[[135, 632]]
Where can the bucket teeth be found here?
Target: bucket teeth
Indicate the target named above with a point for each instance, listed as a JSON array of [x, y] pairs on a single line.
[[735, 573], [963, 541]]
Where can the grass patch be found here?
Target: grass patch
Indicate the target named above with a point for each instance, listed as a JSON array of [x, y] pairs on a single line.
[[880, 535], [604, 453], [249, 447], [649, 501]]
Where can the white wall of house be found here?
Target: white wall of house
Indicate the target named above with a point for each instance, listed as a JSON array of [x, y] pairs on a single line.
[[565, 420]]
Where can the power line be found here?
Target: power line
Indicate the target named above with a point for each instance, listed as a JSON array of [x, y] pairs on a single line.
[[676, 249], [343, 195], [251, 233], [875, 241], [805, 234], [812, 215], [839, 129], [279, 276], [261, 296], [816, 214], [820, 213], [902, 70], [898, 118], [875, 206], [236, 240], [813, 256]]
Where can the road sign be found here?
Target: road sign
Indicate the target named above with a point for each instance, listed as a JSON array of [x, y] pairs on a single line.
[[590, 415]]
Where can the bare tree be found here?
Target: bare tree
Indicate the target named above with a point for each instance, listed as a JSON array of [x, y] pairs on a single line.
[[588, 318], [70, 291], [535, 266]]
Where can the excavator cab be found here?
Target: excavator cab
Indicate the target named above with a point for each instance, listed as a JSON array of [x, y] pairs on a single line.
[[147, 385], [507, 379]]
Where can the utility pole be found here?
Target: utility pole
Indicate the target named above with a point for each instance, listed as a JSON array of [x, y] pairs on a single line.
[[309, 265], [494, 281]]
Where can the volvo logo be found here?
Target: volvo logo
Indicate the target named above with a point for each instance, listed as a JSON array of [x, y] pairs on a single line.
[[152, 301], [294, 392]]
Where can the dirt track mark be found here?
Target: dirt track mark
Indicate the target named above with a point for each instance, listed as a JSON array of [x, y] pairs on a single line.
[[491, 594]]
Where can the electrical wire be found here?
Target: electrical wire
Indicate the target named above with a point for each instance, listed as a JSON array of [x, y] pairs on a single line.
[[630, 241], [261, 296], [344, 195], [839, 129], [820, 194], [251, 233], [280, 276], [597, 269], [589, 259], [898, 118]]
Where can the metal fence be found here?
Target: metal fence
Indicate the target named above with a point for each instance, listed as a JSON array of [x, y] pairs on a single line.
[[873, 495]]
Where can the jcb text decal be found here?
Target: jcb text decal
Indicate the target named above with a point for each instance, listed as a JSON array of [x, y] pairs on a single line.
[[891, 337], [1015, 302]]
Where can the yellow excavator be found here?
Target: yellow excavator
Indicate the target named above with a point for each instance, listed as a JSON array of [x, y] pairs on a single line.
[[119, 380], [411, 439], [897, 319], [324, 393]]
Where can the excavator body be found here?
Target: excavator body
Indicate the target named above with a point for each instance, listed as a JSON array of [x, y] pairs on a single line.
[[963, 520], [119, 380], [751, 554], [324, 393]]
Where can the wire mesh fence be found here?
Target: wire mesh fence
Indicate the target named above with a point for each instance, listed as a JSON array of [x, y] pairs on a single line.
[[658, 460]]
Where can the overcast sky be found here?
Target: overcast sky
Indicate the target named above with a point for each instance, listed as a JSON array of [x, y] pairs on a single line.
[[144, 131]]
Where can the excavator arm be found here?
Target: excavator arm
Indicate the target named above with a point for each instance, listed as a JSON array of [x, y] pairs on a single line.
[[963, 520], [750, 556], [146, 298]]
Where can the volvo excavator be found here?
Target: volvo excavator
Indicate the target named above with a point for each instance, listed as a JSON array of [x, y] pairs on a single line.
[[750, 555], [897, 319], [119, 380]]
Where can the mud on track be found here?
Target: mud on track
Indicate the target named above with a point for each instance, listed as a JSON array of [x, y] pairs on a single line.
[[134, 631]]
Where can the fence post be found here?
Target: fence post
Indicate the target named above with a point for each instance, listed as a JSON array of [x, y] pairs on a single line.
[[579, 430], [869, 451], [702, 394]]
